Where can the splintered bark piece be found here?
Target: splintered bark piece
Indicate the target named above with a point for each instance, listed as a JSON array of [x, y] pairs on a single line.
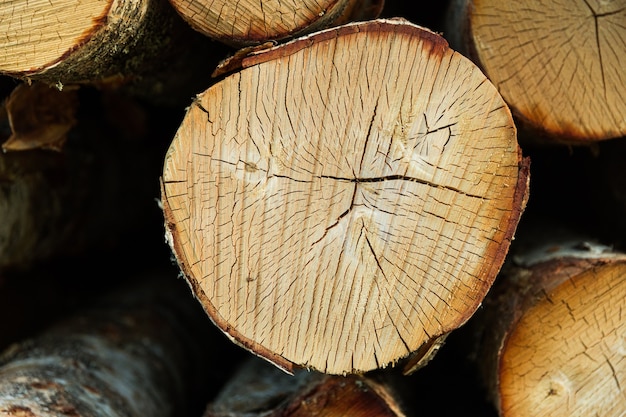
[[249, 22], [261, 390], [558, 64], [135, 352], [345, 198], [141, 45], [553, 333]]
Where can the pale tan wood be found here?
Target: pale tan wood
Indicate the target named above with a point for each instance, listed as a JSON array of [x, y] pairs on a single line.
[[558, 64], [140, 45], [248, 22], [346, 198], [258, 389], [554, 334]]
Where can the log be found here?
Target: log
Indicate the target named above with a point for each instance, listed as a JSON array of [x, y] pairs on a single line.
[[250, 22], [259, 389], [137, 350], [143, 47], [558, 65], [346, 198], [551, 336], [86, 194]]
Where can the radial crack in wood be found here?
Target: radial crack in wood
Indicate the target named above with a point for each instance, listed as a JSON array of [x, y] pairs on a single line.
[[553, 334], [558, 64], [345, 198], [249, 22]]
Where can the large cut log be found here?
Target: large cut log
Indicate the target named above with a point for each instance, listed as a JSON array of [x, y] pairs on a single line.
[[250, 22], [558, 64], [143, 46], [258, 389], [551, 336], [141, 350], [345, 199], [77, 173]]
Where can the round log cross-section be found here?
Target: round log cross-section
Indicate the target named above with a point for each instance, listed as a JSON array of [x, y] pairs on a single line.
[[346, 197], [558, 64]]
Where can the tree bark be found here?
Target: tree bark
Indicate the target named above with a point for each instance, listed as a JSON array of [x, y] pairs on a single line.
[[251, 22], [346, 198], [559, 65], [261, 390], [138, 351], [88, 192], [551, 334], [143, 47]]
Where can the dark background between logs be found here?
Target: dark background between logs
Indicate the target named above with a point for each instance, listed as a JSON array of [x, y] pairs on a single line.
[[579, 186]]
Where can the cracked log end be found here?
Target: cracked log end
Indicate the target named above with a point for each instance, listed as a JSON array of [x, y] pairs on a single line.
[[559, 65], [346, 198], [252, 22], [554, 339]]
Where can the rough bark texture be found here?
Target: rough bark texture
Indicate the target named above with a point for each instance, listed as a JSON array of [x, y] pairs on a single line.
[[139, 351], [94, 191], [251, 22], [558, 64], [346, 198], [551, 333], [261, 390], [142, 46]]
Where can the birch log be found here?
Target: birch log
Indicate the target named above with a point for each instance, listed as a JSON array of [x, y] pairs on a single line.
[[346, 198], [143, 46], [138, 351], [250, 22], [552, 332], [558, 64]]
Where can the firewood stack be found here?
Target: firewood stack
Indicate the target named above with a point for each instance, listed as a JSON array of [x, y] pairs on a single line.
[[272, 208]]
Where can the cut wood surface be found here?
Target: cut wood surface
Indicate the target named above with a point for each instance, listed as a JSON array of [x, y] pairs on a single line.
[[135, 352], [346, 198], [261, 390], [558, 64], [141, 45], [553, 333], [248, 22]]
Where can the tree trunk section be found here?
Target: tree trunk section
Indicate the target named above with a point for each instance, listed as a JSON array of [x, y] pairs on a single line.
[[142, 46], [551, 334], [138, 351], [346, 198], [250, 22], [261, 390], [558, 64]]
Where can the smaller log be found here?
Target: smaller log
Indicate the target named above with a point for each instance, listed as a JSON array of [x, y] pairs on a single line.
[[143, 47], [137, 351], [558, 65], [259, 389], [250, 22], [551, 334]]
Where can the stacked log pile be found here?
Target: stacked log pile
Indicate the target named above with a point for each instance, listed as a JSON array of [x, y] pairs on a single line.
[[312, 208]]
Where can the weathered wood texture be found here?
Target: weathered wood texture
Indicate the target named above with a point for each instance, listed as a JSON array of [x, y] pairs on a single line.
[[138, 351], [249, 22], [142, 46], [95, 191], [346, 198], [259, 389], [551, 336], [558, 64]]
